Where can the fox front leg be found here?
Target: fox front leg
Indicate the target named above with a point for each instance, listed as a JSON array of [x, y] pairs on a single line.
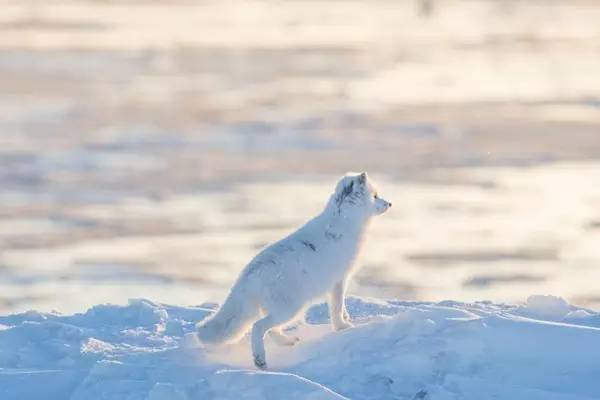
[[337, 309]]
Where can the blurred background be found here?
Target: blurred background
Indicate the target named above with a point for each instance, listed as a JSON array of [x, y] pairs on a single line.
[[150, 149]]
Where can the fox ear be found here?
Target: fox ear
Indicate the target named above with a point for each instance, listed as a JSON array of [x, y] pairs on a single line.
[[345, 192], [362, 178]]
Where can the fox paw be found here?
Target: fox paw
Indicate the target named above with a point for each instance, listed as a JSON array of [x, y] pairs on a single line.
[[346, 316], [289, 340], [342, 325], [285, 340], [260, 362]]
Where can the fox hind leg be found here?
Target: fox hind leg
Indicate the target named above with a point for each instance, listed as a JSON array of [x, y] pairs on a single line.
[[260, 328]]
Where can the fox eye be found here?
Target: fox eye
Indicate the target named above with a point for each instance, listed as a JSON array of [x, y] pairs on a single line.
[[375, 195]]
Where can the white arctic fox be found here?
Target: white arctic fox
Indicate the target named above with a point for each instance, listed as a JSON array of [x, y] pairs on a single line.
[[286, 276]]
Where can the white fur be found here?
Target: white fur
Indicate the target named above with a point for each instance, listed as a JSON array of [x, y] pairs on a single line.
[[288, 275]]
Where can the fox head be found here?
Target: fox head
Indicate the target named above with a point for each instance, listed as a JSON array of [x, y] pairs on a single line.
[[357, 193]]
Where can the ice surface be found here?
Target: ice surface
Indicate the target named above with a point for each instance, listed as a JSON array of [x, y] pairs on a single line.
[[461, 233], [544, 349]]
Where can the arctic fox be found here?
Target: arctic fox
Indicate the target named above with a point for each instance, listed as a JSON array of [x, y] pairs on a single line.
[[286, 276]]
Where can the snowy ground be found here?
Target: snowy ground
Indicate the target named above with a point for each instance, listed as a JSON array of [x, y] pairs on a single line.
[[544, 349]]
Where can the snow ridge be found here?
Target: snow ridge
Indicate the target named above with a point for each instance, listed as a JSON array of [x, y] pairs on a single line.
[[545, 348]]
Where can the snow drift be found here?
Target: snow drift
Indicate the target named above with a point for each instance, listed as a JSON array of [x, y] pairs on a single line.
[[544, 349]]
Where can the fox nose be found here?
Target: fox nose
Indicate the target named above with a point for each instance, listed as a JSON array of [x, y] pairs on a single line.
[[389, 204]]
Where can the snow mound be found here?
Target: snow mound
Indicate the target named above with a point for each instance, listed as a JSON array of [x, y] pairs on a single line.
[[544, 349], [547, 306]]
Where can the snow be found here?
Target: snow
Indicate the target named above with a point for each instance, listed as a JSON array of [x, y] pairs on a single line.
[[547, 306], [545, 348]]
